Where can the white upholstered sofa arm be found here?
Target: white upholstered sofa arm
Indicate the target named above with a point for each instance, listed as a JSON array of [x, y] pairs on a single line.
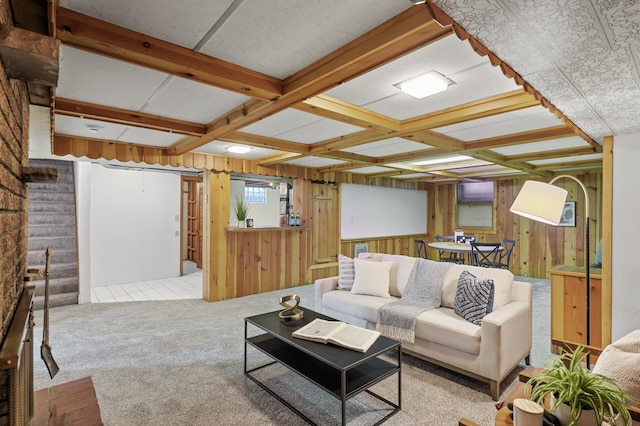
[[322, 286], [507, 334]]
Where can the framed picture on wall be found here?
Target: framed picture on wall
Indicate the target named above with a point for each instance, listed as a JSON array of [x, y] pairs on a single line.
[[568, 214]]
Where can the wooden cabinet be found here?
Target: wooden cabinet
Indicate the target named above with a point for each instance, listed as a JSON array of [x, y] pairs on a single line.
[[568, 307]]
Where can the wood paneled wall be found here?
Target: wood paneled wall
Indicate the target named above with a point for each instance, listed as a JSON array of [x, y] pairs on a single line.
[[538, 246]]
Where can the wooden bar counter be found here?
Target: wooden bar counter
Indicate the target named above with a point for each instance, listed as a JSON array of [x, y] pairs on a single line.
[[568, 307], [262, 259]]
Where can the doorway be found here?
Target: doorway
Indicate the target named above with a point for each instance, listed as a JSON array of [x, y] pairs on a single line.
[[191, 224]]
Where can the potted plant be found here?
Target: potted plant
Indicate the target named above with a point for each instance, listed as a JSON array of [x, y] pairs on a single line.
[[581, 392], [241, 209]]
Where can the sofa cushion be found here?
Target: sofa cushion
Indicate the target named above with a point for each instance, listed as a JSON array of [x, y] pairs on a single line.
[[371, 278], [444, 327], [346, 272], [502, 283], [357, 305], [473, 297]]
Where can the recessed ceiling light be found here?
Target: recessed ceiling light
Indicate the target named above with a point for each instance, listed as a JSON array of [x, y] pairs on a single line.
[[441, 160], [237, 149], [426, 84]]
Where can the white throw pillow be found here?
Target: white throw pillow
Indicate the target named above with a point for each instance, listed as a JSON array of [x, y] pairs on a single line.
[[372, 278], [346, 272]]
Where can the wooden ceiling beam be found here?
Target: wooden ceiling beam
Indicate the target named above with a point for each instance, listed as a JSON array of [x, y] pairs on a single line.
[[100, 37], [266, 142], [335, 109], [530, 136], [487, 107], [586, 164], [75, 108], [556, 153], [400, 35], [413, 156], [278, 158]]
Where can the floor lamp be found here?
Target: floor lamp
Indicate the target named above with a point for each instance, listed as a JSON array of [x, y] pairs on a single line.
[[544, 202]]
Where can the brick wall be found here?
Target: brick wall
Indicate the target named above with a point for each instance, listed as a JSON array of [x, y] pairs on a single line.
[[14, 151]]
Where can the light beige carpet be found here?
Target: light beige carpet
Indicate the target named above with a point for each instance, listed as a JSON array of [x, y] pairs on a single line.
[[181, 363]]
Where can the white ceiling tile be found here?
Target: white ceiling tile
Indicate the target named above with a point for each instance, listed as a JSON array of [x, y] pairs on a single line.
[[369, 170], [67, 125], [314, 161], [448, 56], [319, 131], [188, 100], [220, 148], [297, 33], [282, 122], [387, 147], [183, 22], [148, 137], [100, 80], [502, 124]]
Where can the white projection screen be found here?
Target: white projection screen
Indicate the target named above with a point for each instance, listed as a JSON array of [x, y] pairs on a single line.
[[375, 211]]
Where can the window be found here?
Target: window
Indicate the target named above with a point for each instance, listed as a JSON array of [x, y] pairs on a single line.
[[475, 205], [255, 194]]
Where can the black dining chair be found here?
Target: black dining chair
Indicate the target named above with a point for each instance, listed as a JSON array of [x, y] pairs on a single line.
[[485, 254], [446, 256], [504, 259], [421, 248]]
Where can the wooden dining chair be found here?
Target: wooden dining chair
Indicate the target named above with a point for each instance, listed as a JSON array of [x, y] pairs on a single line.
[[445, 256], [421, 248], [485, 254], [504, 258]]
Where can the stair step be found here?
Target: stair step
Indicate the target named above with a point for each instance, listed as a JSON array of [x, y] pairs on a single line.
[[44, 196], [56, 285], [60, 187], [57, 219], [37, 257], [39, 231], [51, 207], [56, 300], [56, 243], [58, 270]]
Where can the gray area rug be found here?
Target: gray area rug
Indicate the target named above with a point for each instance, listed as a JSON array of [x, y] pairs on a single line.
[[181, 363]]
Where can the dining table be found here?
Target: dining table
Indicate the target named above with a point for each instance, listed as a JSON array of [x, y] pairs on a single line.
[[463, 248]]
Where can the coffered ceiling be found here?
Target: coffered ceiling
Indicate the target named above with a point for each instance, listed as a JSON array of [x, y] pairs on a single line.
[[311, 83]]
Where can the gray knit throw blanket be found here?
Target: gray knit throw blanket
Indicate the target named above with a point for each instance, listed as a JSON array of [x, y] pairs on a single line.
[[397, 320]]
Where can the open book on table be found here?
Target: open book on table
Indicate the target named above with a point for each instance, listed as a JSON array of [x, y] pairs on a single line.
[[339, 333]]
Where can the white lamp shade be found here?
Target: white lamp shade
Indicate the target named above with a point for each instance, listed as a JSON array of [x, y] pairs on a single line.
[[540, 201]]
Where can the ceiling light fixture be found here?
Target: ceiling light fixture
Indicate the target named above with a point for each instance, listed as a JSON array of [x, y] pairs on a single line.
[[441, 160], [426, 84], [237, 149], [94, 128]]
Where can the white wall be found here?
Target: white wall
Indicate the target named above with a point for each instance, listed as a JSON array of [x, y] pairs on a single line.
[[82, 178], [263, 214], [625, 236], [134, 225]]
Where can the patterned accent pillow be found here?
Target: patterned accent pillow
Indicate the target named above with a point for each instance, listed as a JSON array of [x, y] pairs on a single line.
[[474, 297], [346, 272]]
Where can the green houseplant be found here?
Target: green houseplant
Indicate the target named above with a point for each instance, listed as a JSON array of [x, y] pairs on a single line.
[[241, 209], [581, 390]]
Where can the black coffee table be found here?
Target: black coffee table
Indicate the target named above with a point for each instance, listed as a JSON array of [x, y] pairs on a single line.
[[341, 372]]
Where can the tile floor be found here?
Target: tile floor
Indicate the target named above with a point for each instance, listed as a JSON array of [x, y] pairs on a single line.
[[188, 286]]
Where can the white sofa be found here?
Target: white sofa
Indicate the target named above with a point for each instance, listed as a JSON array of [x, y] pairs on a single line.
[[488, 352]]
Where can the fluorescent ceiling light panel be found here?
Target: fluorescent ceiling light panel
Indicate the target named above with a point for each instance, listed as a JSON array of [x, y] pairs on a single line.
[[441, 160], [237, 149], [425, 84]]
